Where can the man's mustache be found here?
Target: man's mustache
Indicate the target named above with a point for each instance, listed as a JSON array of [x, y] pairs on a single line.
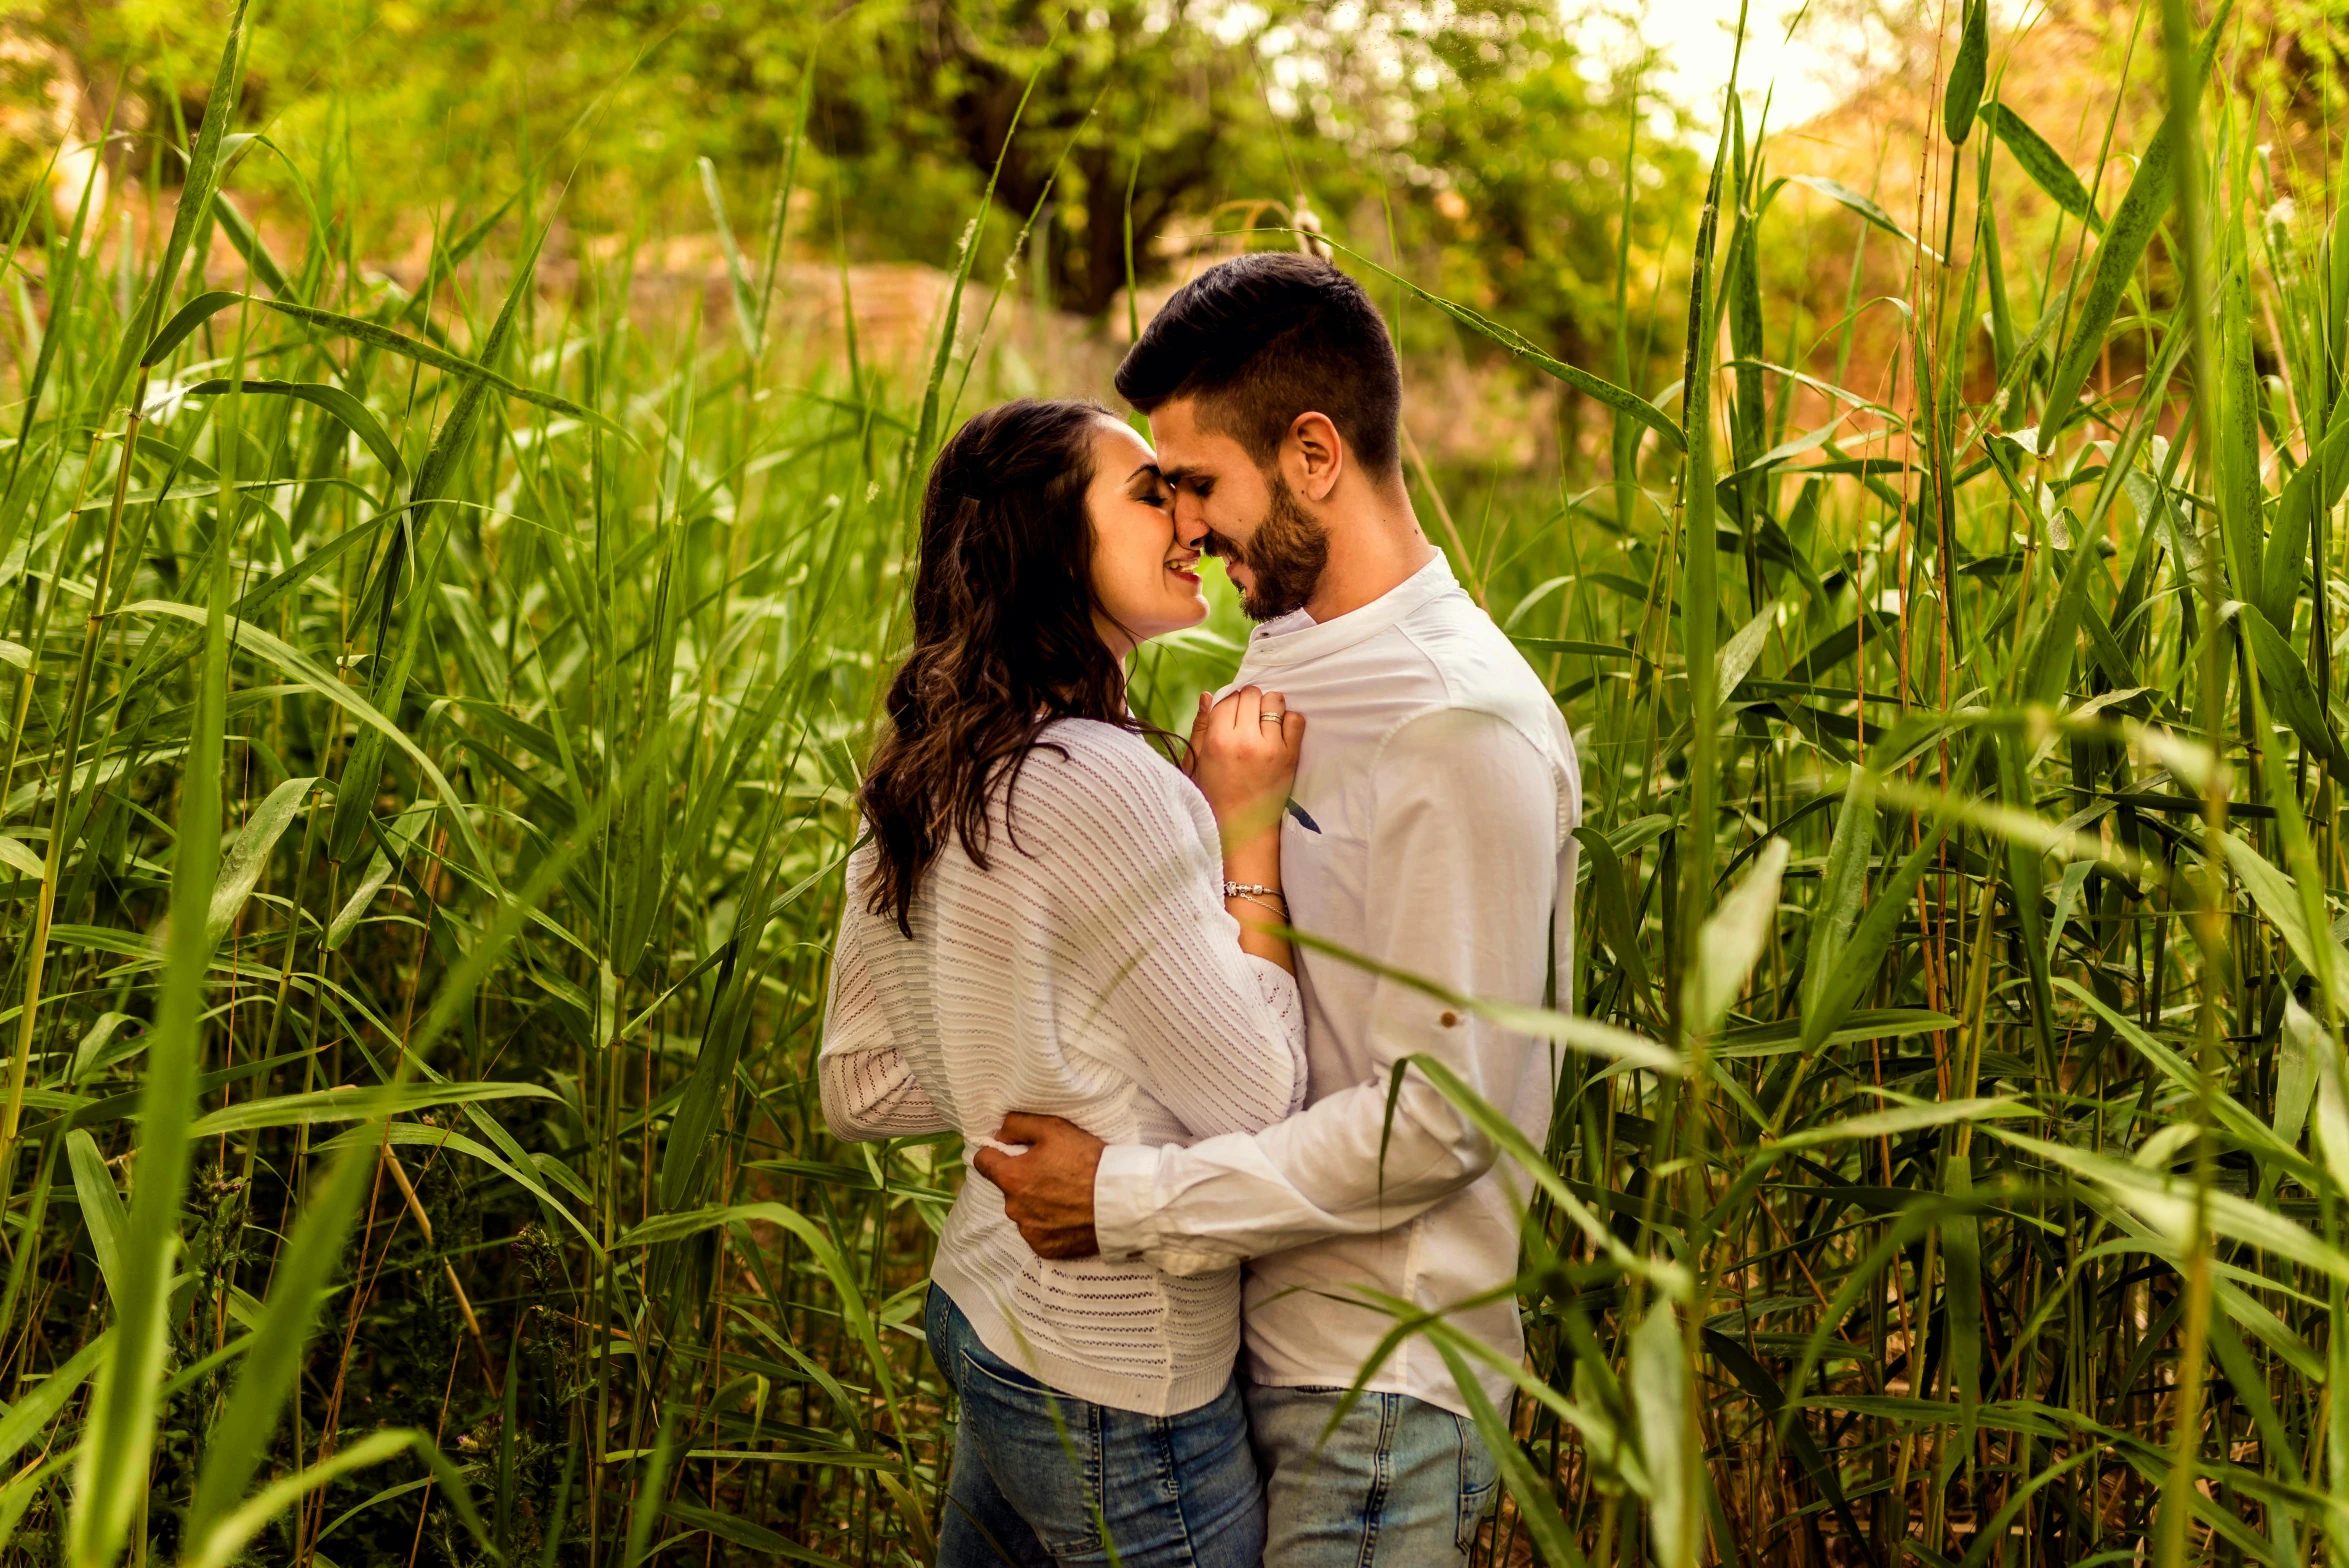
[[1216, 544]]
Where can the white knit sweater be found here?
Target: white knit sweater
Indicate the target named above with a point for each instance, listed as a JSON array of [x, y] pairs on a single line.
[[1091, 972]]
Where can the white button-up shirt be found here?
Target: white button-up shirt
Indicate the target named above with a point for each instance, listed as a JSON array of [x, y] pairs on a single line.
[[1431, 833]]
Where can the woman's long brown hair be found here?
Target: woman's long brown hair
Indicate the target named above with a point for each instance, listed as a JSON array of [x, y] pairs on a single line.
[[1004, 640]]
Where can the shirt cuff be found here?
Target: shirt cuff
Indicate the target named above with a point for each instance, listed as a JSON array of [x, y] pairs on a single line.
[[1125, 1200]]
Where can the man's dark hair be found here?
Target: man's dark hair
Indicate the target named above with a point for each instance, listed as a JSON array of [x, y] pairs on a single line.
[[1262, 338]]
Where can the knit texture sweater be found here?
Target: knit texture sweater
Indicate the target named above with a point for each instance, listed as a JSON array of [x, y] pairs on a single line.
[[1089, 970]]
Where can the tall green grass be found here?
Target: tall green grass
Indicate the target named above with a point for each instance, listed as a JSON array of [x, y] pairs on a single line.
[[432, 727]]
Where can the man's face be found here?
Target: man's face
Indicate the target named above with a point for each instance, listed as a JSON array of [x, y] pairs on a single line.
[[1273, 551]]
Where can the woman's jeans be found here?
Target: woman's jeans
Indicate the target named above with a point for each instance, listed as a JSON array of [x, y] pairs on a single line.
[[1040, 1477]]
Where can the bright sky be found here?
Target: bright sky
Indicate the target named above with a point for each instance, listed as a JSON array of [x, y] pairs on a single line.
[[1696, 40]]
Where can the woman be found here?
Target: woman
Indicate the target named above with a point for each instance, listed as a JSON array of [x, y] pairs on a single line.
[[1040, 922]]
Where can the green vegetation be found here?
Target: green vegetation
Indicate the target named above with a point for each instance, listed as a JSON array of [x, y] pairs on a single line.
[[1177, 118], [431, 726]]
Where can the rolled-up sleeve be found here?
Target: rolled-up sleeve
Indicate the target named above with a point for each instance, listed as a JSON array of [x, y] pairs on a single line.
[[1462, 876]]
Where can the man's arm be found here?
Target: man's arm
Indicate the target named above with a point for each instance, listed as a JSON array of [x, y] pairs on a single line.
[[1463, 872]]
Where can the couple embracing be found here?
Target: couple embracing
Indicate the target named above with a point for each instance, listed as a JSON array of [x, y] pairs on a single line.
[[1072, 952]]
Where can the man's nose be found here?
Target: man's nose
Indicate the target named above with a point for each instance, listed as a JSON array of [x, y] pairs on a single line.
[[1190, 513]]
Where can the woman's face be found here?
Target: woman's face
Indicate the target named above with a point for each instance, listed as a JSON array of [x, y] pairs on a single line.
[[1145, 565]]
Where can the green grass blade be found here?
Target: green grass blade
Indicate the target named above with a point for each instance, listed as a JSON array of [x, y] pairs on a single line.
[[334, 400], [193, 213], [2042, 163], [103, 1215], [239, 1440], [1961, 94], [2131, 230], [111, 1474]]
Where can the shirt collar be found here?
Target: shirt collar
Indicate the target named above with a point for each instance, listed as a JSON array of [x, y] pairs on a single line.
[[1294, 637]]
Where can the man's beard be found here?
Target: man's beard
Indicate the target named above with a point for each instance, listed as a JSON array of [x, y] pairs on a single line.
[[1285, 557]]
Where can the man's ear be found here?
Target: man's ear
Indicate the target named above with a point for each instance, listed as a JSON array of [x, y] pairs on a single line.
[[1313, 455]]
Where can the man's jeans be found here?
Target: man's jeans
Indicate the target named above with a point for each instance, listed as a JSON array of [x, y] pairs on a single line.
[[1400, 1484], [1039, 1476]]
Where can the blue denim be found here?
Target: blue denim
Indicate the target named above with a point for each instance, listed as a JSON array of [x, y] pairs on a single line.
[[1401, 1483], [1034, 1491]]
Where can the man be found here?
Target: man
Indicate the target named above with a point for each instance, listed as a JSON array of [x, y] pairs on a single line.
[[1429, 833]]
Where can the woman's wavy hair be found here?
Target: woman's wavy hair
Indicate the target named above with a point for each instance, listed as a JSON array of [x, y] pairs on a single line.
[[1004, 640]]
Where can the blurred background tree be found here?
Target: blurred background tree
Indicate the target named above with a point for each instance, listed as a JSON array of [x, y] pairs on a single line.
[[1473, 140]]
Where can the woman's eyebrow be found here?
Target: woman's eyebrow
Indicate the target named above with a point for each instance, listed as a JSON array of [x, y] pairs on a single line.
[[1147, 468]]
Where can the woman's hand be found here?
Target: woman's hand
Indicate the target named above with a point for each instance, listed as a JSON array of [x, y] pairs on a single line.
[[1244, 758]]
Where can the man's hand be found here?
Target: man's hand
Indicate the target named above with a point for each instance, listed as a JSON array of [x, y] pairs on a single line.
[[1048, 1191]]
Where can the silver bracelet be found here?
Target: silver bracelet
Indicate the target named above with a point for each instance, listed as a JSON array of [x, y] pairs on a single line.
[[1279, 910], [1243, 889]]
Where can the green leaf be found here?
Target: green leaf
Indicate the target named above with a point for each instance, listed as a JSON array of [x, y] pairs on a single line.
[[1613, 900], [1731, 940], [1661, 1399], [334, 400], [111, 1472], [2294, 692], [525, 1175], [249, 245], [2296, 1072], [1598, 389], [2332, 1117], [1843, 889], [103, 1215], [745, 1533], [2278, 898], [222, 1543], [193, 211], [239, 1440], [2310, 493], [1567, 1029], [1537, 1508], [16, 857], [353, 1104], [248, 857], [338, 930], [2042, 163], [1837, 191], [2139, 214], [1878, 1023], [2166, 1204], [374, 335], [186, 320], [1510, 1139], [251, 639], [1856, 963], [45, 1400], [747, 309], [1757, 1382], [820, 1246], [1901, 1119], [1961, 95], [1735, 659]]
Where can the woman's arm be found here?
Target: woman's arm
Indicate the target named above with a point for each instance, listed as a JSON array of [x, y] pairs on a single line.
[[1244, 758], [869, 1089], [1214, 1034]]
